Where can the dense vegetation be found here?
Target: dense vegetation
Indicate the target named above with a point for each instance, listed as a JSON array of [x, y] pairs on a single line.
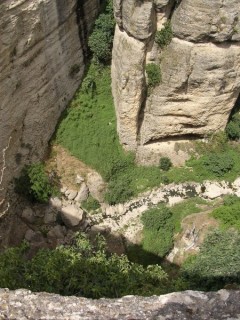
[[100, 41], [82, 269], [34, 183], [161, 223], [217, 263]]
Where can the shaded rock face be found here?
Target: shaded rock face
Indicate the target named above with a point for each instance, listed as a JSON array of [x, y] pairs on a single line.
[[42, 47], [200, 73], [23, 304]]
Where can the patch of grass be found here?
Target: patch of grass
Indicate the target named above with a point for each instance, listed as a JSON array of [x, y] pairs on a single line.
[[161, 223], [229, 213], [88, 131], [217, 263]]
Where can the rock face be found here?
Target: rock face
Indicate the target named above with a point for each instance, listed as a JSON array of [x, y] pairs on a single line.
[[199, 70], [42, 48], [23, 304]]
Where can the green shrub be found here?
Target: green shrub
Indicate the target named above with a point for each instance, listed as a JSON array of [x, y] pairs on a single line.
[[165, 163], [90, 204], [229, 213], [34, 183], [217, 263], [153, 75], [101, 39], [219, 163], [158, 231], [119, 190], [233, 127], [82, 269], [164, 36]]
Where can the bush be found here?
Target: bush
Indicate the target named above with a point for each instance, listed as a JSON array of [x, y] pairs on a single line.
[[233, 127], [90, 204], [229, 213], [165, 163], [34, 183], [101, 39], [153, 75], [119, 190], [164, 36], [82, 269], [219, 163], [158, 231], [217, 263]]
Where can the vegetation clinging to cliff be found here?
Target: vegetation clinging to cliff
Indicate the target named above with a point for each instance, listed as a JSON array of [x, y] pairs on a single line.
[[101, 39]]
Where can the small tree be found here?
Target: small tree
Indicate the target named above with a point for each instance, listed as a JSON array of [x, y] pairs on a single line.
[[163, 37], [34, 183], [165, 163]]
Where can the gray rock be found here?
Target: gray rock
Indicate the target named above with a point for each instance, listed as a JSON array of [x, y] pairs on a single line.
[[28, 215], [55, 202], [71, 194], [199, 20], [57, 232], [96, 186], [71, 215], [82, 193], [79, 179], [24, 304], [50, 216]]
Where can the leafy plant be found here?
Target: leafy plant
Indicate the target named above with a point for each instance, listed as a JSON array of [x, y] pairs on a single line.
[[100, 41], [82, 269], [158, 231], [219, 163], [153, 75], [233, 127], [90, 204], [229, 213], [164, 36], [217, 263], [34, 183], [165, 163]]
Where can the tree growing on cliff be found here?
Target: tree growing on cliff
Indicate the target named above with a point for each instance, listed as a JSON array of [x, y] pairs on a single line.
[[101, 39]]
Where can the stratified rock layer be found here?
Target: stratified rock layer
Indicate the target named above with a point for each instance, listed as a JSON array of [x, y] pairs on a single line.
[[23, 305], [200, 72], [42, 44]]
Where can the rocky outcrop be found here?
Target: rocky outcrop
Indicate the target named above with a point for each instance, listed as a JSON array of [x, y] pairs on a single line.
[[42, 47], [199, 69], [23, 305]]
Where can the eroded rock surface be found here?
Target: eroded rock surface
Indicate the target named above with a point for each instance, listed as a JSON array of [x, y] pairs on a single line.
[[23, 305], [42, 47], [199, 70]]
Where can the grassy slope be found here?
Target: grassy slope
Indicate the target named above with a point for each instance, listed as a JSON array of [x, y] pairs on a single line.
[[88, 131]]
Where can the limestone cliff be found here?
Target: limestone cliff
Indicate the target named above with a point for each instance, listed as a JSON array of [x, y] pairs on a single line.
[[23, 305], [42, 47], [200, 72]]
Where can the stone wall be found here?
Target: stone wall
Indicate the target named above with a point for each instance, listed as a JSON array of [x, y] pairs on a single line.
[[200, 73], [42, 47], [23, 305]]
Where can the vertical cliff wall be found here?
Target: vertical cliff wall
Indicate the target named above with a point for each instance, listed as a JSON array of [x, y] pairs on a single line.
[[200, 72], [42, 48]]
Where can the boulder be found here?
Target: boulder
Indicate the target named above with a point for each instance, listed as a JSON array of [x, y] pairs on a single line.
[[82, 193], [96, 186], [28, 215], [72, 215]]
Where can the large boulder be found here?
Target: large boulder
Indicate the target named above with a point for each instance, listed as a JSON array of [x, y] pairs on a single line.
[[72, 215]]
